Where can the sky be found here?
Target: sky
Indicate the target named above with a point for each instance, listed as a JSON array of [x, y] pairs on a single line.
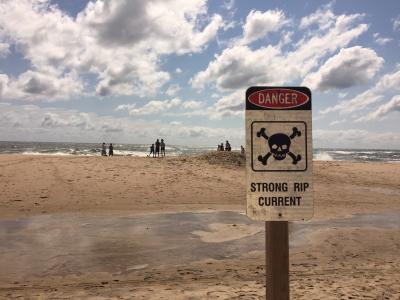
[[131, 71]]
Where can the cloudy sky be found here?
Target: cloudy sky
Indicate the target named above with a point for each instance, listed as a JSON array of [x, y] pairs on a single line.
[[132, 71]]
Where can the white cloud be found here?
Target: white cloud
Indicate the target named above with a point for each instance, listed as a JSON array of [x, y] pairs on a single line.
[[228, 4], [381, 40], [173, 89], [119, 42], [123, 107], [259, 24], [178, 70], [31, 122], [33, 85], [162, 107], [383, 110], [356, 138], [192, 104], [388, 82], [175, 123], [4, 49], [323, 17], [336, 122], [238, 66], [152, 107], [350, 67], [80, 120], [228, 105], [33, 118], [3, 85], [396, 23], [169, 26]]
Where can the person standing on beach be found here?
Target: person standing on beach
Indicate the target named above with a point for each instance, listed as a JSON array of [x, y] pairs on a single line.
[[221, 147], [227, 146], [242, 150], [158, 148], [151, 151], [111, 150], [103, 150], [162, 144]]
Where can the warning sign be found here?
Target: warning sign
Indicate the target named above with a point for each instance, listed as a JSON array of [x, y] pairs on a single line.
[[279, 153]]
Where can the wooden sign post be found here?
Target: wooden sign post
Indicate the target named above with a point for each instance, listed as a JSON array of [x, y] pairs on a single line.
[[279, 172], [277, 260]]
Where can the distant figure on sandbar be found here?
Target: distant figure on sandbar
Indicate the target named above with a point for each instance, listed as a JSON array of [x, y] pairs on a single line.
[[151, 151], [103, 150], [242, 150], [227, 146], [157, 148], [162, 144], [221, 147], [111, 150]]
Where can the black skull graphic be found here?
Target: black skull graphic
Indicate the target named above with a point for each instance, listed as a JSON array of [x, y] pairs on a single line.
[[279, 145]]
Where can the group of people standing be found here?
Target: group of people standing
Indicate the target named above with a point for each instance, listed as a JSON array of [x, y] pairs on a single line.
[[104, 150], [156, 147], [227, 147]]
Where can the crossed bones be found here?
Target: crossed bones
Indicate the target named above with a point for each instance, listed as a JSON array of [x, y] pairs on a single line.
[[281, 154]]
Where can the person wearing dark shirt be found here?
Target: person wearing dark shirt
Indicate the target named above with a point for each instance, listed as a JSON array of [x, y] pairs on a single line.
[[103, 150], [227, 146], [157, 148], [152, 150], [162, 144], [111, 150]]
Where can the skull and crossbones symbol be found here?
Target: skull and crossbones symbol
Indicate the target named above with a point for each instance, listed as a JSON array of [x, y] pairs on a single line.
[[279, 146]]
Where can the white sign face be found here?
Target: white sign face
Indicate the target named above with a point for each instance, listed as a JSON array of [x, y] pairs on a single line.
[[279, 153]]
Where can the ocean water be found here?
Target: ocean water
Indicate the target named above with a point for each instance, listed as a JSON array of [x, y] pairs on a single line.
[[366, 155], [91, 149]]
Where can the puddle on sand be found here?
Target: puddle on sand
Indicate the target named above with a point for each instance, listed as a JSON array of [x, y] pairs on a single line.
[[63, 244]]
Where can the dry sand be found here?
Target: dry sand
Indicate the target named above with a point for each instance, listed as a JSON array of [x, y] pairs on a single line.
[[333, 262]]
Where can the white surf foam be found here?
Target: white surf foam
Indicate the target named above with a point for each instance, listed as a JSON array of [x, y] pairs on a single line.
[[322, 156]]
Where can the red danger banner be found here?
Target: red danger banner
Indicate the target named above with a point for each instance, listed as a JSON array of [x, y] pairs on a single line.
[[297, 98]]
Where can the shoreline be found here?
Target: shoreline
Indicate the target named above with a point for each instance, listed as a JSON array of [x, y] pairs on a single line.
[[69, 155]]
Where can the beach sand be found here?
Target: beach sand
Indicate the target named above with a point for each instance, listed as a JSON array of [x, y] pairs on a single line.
[[349, 250]]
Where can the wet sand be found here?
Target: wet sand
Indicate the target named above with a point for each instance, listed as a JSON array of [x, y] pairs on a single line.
[[138, 228]]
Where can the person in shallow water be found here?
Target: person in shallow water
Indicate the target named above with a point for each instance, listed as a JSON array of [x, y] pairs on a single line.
[[151, 151], [103, 150], [162, 145], [157, 148], [111, 150]]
